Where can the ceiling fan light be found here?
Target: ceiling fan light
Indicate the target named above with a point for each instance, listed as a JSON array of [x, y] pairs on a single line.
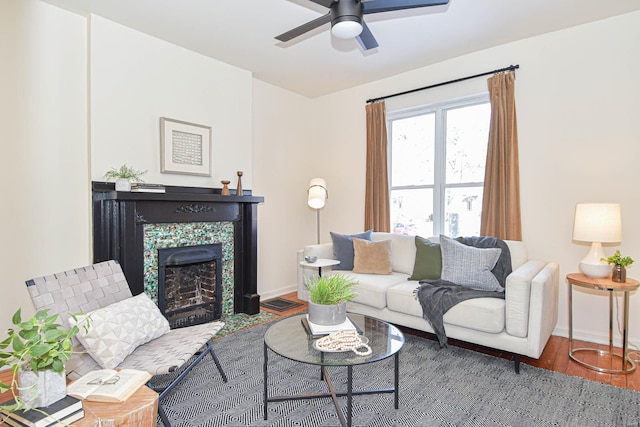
[[346, 29]]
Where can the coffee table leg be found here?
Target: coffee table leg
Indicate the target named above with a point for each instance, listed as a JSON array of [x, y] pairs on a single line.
[[264, 370], [349, 393], [396, 379]]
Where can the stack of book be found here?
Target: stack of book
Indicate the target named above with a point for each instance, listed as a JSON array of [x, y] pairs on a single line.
[[142, 187], [61, 413], [315, 331]]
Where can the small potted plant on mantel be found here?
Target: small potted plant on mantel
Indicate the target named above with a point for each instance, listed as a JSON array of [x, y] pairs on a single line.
[[124, 176], [328, 298], [36, 350], [620, 264]]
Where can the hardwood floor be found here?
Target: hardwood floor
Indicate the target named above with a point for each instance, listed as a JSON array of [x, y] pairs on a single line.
[[555, 356]]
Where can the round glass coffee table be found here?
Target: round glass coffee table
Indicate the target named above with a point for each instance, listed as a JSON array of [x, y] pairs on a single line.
[[288, 338]]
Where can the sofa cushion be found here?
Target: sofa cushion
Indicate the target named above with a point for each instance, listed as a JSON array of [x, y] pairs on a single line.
[[371, 257], [480, 314], [343, 248], [403, 250], [371, 289], [468, 266], [428, 262], [116, 330]]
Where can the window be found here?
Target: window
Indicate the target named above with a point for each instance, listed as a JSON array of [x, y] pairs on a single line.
[[437, 162]]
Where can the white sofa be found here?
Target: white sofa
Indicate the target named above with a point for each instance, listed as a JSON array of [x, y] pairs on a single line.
[[520, 324]]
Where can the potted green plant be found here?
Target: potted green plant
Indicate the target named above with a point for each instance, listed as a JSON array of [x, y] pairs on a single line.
[[620, 264], [328, 298], [36, 350], [124, 176]]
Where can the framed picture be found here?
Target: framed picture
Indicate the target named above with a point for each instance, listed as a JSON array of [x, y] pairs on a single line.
[[185, 148]]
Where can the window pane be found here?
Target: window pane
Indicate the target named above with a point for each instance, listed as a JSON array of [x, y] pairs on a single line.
[[412, 212], [463, 207], [467, 136], [412, 150]]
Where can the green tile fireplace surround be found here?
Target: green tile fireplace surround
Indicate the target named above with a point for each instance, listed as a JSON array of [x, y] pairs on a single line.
[[130, 228]]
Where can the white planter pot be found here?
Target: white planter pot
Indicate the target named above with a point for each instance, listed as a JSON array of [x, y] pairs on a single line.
[[41, 389], [327, 314], [123, 185]]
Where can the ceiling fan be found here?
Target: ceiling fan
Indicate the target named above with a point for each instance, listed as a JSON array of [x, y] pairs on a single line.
[[346, 17]]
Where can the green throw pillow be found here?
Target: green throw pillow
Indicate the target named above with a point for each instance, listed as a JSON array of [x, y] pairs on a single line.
[[428, 264]]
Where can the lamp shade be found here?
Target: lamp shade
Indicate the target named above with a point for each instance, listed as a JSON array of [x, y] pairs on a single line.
[[597, 222], [317, 193]]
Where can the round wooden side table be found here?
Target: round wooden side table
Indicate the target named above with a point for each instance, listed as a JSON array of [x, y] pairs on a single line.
[[140, 410], [604, 284]]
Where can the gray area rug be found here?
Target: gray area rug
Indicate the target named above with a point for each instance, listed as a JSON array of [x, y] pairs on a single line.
[[448, 387]]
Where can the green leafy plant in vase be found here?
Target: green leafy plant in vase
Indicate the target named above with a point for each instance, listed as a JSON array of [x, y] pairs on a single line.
[[620, 264], [36, 350], [328, 297], [124, 176]]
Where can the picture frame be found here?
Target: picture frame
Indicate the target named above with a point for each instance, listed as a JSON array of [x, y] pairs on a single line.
[[185, 148]]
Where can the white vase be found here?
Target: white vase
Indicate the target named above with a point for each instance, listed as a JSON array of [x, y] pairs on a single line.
[[41, 389], [327, 314], [123, 185]]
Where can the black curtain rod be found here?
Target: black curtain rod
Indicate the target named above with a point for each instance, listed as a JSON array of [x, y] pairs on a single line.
[[509, 68]]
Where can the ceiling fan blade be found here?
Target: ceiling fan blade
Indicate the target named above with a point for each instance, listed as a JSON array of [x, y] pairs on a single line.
[[298, 31], [366, 39], [377, 6], [325, 3]]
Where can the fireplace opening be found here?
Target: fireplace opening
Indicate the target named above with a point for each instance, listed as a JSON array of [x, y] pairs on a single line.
[[190, 284]]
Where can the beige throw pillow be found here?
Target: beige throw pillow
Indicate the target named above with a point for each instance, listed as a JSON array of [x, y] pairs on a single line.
[[372, 257]]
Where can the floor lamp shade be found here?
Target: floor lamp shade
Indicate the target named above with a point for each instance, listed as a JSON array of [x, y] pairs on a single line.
[[597, 223], [317, 193]]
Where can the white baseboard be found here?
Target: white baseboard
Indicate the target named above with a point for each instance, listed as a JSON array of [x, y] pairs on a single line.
[[278, 292], [634, 342]]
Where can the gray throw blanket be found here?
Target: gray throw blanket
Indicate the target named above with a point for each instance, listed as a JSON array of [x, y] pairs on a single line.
[[437, 296]]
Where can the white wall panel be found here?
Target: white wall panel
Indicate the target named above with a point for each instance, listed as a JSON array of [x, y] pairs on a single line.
[[44, 178]]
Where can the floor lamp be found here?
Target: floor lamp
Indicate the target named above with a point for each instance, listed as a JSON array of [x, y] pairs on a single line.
[[316, 195]]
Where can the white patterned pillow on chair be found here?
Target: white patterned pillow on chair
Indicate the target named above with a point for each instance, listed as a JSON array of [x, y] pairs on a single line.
[[116, 330]]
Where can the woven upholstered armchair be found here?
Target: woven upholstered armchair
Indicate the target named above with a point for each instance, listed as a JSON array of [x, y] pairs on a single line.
[[125, 331]]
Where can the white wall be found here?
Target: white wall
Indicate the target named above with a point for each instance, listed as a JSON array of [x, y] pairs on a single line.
[[577, 98], [136, 79], [44, 178], [283, 164]]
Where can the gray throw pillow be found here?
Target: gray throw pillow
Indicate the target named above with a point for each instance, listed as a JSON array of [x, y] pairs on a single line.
[[343, 248], [468, 266]]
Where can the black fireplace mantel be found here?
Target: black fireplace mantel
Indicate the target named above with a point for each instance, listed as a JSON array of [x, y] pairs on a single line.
[[119, 218]]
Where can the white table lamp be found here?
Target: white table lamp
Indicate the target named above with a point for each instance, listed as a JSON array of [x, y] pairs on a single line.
[[317, 194], [597, 223]]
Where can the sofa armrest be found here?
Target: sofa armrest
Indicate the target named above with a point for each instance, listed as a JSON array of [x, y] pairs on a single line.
[[531, 303], [518, 297], [323, 250], [543, 314]]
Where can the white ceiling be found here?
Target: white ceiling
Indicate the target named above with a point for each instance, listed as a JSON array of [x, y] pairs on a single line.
[[241, 33]]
